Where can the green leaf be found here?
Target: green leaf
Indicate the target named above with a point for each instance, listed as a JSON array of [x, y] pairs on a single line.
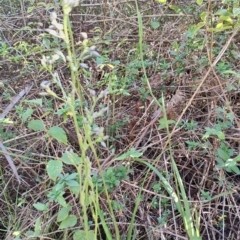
[[163, 123], [226, 19], [213, 131], [70, 221], [203, 16], [221, 135], [36, 125], [37, 101], [75, 190], [71, 158], [235, 169], [54, 168], [237, 158], [155, 24], [199, 2], [134, 154], [63, 213], [72, 183], [236, 12], [222, 12], [25, 115], [223, 154], [131, 153], [30, 9], [41, 206], [81, 235], [37, 227], [5, 121], [61, 200], [58, 133], [175, 8]]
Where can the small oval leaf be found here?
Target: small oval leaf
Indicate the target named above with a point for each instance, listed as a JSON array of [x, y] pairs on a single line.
[[40, 206], [54, 168], [58, 133], [63, 213], [71, 158], [36, 125], [70, 221]]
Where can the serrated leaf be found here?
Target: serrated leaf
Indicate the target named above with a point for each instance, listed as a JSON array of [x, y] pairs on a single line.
[[54, 168], [36, 125], [71, 158], [58, 133], [63, 213], [41, 206], [70, 221]]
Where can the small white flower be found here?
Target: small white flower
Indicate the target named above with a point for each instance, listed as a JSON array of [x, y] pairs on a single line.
[[53, 15], [69, 59], [52, 32], [59, 26], [103, 93], [55, 57], [74, 68], [84, 35], [44, 61], [45, 84], [43, 94], [95, 53], [84, 65], [92, 48], [51, 27], [92, 92]]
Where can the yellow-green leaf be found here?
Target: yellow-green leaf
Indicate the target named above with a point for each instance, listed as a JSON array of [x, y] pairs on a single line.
[[161, 1]]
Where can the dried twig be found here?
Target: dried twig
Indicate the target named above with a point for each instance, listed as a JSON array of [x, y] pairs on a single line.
[[5, 112]]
